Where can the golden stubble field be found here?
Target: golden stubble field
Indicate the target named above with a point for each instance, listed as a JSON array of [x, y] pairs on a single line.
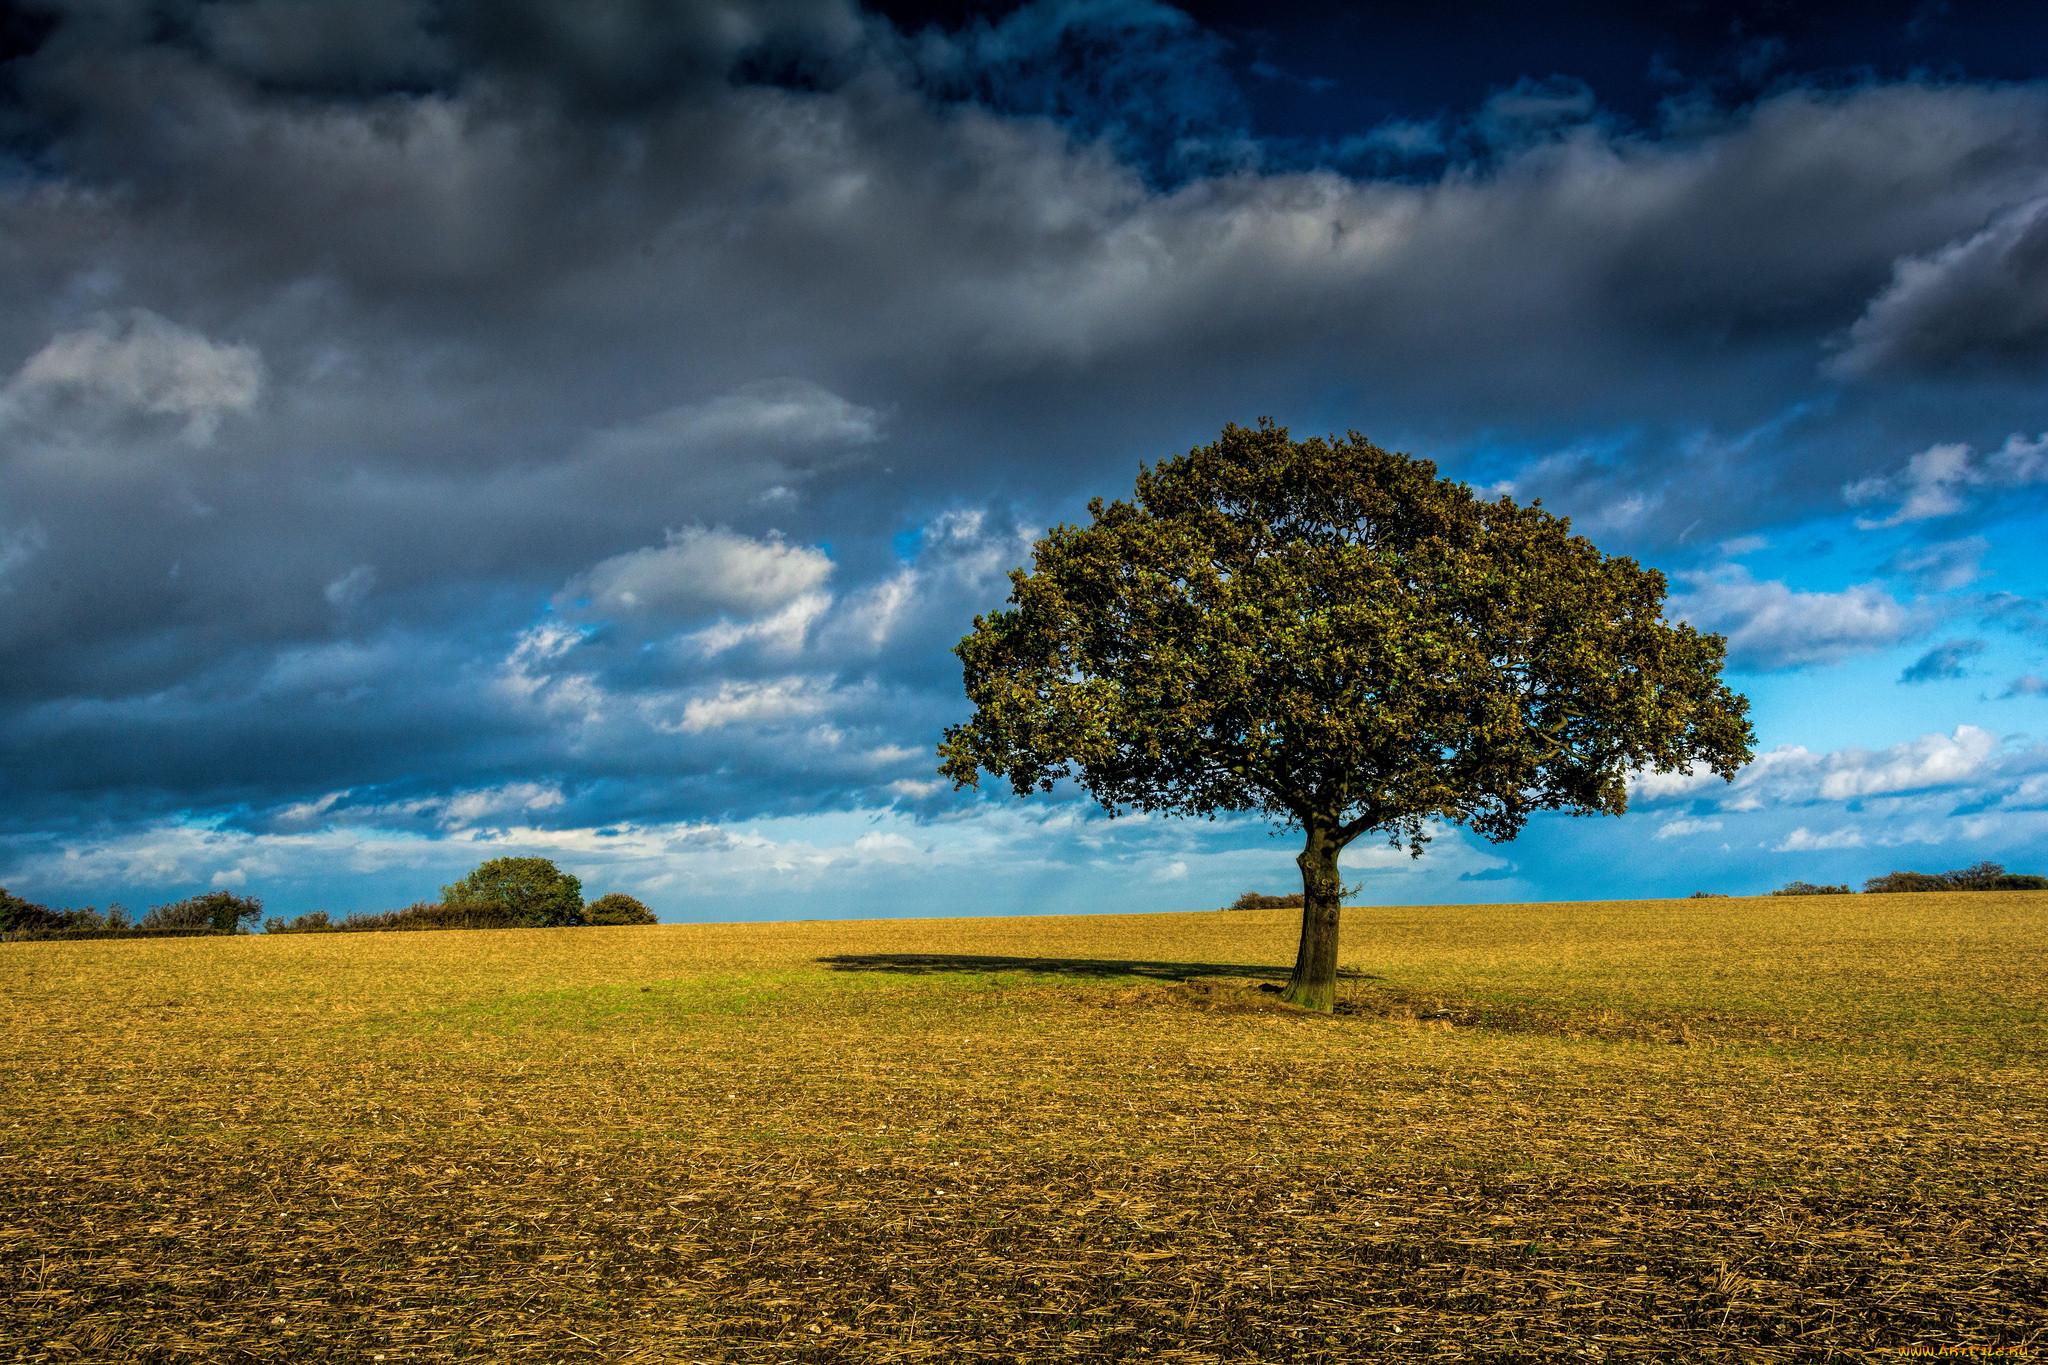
[[1694, 1130]]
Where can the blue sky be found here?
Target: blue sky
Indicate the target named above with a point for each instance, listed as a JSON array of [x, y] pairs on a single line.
[[432, 431]]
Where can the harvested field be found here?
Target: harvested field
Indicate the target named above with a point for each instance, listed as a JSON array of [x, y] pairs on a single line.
[[1721, 1130]]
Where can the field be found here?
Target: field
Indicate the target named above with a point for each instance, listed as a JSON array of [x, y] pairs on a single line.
[[1700, 1130]]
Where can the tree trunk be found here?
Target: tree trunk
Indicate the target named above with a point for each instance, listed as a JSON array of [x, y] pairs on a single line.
[[1314, 983]]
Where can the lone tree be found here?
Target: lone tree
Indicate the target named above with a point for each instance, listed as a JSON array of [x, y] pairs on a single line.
[[527, 892], [1332, 636]]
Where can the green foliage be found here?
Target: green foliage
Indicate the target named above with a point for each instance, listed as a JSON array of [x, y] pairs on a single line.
[[1977, 877], [1327, 633], [616, 907], [528, 892], [1252, 900], [221, 911], [419, 915], [1808, 889], [20, 916]]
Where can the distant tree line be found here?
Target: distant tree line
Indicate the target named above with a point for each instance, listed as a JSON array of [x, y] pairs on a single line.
[[504, 893], [215, 912], [1976, 877]]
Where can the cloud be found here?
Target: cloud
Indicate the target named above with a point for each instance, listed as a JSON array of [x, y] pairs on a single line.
[[2022, 615], [793, 413], [1156, 90], [757, 704], [316, 43], [354, 345], [1678, 829], [352, 587], [1981, 299], [1501, 873], [1943, 566], [140, 363], [1931, 483], [1947, 660], [699, 571], [1794, 775], [18, 548], [1771, 626], [2026, 685], [1929, 761], [1804, 840]]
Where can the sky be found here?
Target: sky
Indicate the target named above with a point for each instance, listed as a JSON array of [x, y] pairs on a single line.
[[433, 430]]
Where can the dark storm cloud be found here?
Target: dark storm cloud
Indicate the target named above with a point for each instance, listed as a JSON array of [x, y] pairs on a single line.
[[624, 406], [1979, 301]]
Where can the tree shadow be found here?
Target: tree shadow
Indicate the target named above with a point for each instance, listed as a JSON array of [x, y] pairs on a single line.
[[1094, 968]]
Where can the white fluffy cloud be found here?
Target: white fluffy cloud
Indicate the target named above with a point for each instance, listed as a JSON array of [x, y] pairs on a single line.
[[1773, 626], [699, 571], [758, 704], [1804, 840], [1793, 775], [1929, 761], [1932, 483]]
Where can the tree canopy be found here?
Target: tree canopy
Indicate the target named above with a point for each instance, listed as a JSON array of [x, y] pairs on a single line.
[[530, 892], [1328, 634], [616, 907]]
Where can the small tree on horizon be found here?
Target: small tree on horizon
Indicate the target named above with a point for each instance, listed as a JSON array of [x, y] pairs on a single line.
[[530, 892], [616, 907], [1328, 634]]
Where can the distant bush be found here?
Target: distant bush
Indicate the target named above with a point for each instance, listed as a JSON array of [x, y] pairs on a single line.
[[1809, 889], [1977, 877], [21, 918], [1709, 895], [531, 892], [221, 911], [25, 918], [419, 915], [1252, 900], [616, 907], [436, 915], [18, 915]]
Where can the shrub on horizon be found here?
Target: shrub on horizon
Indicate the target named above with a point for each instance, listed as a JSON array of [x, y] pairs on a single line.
[[418, 915], [1809, 889], [1252, 900], [429, 915], [616, 907]]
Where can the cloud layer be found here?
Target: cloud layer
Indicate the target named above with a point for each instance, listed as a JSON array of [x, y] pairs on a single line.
[[632, 403]]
